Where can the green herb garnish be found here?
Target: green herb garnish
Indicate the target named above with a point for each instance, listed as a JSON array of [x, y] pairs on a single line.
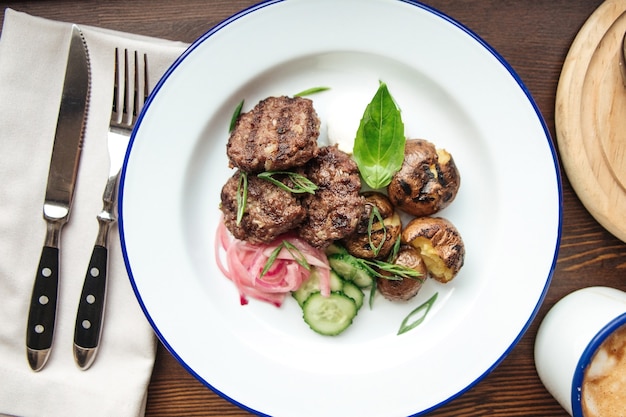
[[296, 254], [301, 183], [235, 116], [379, 143], [242, 195], [372, 266], [271, 259], [372, 293], [397, 271], [375, 214], [396, 249], [310, 91], [424, 309]]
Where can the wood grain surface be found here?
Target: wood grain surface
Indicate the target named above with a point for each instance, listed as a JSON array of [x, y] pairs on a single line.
[[589, 116], [534, 37]]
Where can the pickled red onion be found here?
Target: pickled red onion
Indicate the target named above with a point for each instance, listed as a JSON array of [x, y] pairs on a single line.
[[245, 261]]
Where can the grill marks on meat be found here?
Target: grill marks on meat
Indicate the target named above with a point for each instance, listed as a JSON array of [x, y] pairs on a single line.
[[333, 212], [270, 211], [330, 214], [278, 134]]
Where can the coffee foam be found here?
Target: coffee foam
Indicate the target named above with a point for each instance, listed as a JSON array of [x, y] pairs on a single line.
[[604, 383]]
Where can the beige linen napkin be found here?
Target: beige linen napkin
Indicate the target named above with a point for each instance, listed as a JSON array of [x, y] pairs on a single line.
[[32, 65]]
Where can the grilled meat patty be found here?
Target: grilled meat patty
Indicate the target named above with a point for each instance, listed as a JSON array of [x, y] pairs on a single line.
[[269, 212], [333, 212], [279, 133]]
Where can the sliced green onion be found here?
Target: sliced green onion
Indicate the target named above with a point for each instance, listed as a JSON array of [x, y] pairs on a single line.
[[396, 249], [310, 91], [372, 294], [242, 195], [236, 113], [301, 183], [397, 271], [423, 310], [296, 254], [271, 259], [375, 213]]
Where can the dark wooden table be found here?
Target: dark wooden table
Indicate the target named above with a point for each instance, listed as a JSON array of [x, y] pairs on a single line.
[[534, 37]]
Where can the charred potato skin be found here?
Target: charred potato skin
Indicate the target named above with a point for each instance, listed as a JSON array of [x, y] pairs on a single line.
[[427, 182], [439, 243], [358, 243], [381, 201], [406, 288]]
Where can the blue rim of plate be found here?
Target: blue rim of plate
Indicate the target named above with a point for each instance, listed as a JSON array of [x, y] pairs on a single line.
[[206, 36]]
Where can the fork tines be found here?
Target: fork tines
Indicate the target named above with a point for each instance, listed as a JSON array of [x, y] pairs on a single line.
[[127, 75]]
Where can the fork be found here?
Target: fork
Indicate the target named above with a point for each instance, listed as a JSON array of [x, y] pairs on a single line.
[[126, 108]]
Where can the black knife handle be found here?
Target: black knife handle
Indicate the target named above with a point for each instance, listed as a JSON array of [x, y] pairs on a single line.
[[43, 303], [92, 300]]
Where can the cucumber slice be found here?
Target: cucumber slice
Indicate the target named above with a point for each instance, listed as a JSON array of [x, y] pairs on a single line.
[[363, 279], [348, 267], [312, 284], [342, 265], [335, 249], [354, 292], [329, 315], [336, 283]]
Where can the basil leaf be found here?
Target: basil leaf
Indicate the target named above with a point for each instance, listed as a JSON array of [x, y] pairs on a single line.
[[406, 326], [379, 143]]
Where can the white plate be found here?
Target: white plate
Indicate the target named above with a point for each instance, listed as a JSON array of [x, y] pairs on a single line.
[[453, 90]]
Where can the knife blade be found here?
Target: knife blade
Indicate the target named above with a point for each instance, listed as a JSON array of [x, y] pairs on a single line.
[[62, 175]]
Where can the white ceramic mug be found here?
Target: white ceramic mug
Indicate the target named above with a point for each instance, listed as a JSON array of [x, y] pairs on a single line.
[[568, 337]]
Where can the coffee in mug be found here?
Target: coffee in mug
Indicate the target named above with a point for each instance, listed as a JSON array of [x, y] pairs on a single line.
[[569, 336], [604, 382]]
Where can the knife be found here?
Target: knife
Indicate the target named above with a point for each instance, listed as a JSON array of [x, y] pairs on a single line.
[[62, 174]]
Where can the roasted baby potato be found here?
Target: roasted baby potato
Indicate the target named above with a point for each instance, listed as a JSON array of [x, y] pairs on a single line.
[[358, 243], [439, 243], [427, 182], [405, 288]]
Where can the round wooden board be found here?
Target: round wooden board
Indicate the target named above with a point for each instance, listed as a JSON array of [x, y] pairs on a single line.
[[590, 117]]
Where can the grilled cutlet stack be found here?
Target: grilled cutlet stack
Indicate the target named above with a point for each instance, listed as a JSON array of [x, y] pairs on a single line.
[[280, 134]]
